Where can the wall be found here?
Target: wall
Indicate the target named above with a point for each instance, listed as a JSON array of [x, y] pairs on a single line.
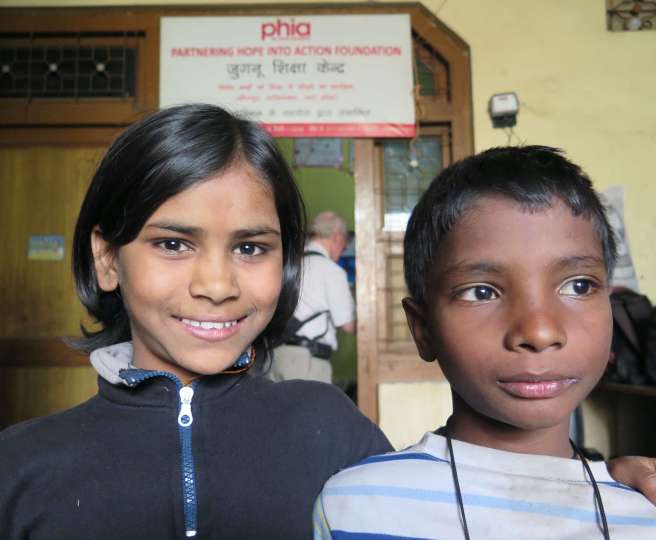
[[581, 88], [325, 188]]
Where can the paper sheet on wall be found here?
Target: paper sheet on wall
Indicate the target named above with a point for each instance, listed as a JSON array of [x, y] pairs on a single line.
[[302, 76], [624, 274]]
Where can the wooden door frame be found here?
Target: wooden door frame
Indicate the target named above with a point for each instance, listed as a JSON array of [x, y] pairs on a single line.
[[454, 112]]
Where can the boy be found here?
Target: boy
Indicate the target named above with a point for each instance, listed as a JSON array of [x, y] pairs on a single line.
[[507, 257]]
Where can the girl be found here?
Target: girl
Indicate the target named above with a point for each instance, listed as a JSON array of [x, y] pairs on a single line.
[[187, 251]]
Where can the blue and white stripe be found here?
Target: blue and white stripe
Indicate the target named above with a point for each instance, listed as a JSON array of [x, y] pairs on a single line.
[[409, 495]]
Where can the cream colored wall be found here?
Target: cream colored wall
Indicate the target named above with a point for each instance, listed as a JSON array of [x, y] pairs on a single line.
[[407, 410], [581, 88]]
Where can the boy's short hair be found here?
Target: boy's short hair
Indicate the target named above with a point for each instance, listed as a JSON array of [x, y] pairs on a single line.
[[533, 176], [154, 160]]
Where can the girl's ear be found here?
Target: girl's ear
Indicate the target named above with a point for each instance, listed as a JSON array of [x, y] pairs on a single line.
[[104, 261], [419, 328]]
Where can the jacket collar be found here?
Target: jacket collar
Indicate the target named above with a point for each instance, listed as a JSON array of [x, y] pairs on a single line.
[[110, 361], [121, 382]]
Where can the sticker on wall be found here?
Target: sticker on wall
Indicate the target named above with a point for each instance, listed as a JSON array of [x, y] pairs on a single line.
[[624, 274], [318, 153], [48, 247]]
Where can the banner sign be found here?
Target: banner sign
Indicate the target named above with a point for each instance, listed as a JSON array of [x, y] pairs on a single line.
[[314, 76]]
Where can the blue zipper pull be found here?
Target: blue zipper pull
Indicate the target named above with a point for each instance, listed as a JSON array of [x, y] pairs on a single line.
[[185, 418]]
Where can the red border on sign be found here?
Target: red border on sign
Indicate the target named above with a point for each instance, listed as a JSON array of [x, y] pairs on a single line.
[[342, 130]]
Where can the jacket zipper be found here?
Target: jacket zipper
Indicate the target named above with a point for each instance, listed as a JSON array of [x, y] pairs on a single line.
[[185, 420]]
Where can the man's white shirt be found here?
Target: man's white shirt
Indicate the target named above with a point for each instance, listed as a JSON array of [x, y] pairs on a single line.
[[324, 287]]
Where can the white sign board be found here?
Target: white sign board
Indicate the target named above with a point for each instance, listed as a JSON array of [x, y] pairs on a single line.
[[302, 76]]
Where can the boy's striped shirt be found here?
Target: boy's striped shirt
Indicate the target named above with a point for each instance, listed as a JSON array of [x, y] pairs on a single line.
[[409, 495]]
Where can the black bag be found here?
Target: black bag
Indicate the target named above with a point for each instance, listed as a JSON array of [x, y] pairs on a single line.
[[291, 337], [294, 325], [650, 348], [290, 334], [632, 313]]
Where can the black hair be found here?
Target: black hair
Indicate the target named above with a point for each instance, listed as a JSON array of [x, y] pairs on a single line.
[[154, 160], [532, 176]]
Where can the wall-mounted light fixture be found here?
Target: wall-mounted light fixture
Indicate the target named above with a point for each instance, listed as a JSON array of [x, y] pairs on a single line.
[[630, 15], [503, 109]]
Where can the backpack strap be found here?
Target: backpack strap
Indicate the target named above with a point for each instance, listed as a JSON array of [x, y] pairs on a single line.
[[296, 324], [313, 253], [310, 253], [311, 318]]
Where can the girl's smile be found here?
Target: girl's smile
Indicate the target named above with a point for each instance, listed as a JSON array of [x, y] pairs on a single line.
[[211, 330], [201, 281]]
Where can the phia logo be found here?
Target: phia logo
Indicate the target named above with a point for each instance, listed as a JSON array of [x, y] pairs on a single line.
[[285, 30]]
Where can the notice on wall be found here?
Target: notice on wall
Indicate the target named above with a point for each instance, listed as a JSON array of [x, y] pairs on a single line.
[[48, 247], [301, 76], [624, 274]]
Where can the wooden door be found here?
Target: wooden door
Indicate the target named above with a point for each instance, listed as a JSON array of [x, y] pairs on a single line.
[[41, 189], [390, 176]]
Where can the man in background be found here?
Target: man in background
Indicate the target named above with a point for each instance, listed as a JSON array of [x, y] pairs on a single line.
[[325, 304]]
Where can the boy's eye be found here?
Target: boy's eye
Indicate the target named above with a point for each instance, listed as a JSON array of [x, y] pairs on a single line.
[[478, 293], [170, 244], [250, 250], [577, 287]]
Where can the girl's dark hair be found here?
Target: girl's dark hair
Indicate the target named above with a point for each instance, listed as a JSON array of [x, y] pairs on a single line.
[[154, 160], [533, 176]]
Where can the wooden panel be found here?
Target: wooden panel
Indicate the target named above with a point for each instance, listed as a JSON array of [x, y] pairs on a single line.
[[74, 136], [28, 392], [41, 190], [456, 53], [365, 248], [43, 352], [395, 289], [87, 111]]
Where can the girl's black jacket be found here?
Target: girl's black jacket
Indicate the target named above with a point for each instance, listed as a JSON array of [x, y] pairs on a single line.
[[132, 463]]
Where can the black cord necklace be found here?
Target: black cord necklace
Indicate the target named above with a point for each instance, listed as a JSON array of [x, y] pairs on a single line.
[[445, 431]]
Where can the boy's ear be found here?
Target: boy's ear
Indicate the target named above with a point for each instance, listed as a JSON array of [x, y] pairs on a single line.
[[418, 324], [104, 261]]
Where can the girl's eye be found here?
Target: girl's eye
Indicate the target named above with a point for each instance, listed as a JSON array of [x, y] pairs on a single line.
[[175, 246], [478, 293], [578, 287], [249, 250]]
